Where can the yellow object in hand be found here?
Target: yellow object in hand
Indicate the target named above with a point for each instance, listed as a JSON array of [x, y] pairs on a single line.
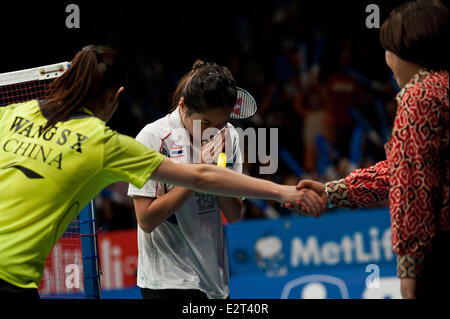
[[222, 160]]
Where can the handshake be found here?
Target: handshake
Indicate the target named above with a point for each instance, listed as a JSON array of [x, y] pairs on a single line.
[[307, 198]]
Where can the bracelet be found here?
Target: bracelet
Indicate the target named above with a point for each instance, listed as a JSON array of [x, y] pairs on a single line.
[[328, 197]]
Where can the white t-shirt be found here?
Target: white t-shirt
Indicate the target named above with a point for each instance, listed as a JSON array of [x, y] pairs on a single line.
[[187, 251]]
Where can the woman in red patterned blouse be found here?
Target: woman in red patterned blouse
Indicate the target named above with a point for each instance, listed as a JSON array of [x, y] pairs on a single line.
[[414, 178]]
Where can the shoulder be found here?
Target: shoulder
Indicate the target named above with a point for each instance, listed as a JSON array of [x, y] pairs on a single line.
[[425, 88], [158, 129], [154, 135], [436, 79], [27, 107], [424, 98], [233, 132], [435, 84]]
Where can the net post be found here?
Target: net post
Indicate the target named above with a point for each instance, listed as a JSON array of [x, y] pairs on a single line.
[[91, 268]]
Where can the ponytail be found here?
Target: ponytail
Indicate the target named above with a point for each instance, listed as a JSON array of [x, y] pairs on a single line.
[[179, 91], [93, 71]]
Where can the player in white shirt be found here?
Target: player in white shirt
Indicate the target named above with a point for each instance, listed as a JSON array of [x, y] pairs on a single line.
[[182, 250], [181, 242]]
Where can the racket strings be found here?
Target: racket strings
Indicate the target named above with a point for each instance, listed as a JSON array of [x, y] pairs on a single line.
[[245, 105]]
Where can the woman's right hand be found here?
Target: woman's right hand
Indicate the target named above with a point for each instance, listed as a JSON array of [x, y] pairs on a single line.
[[211, 150], [306, 201]]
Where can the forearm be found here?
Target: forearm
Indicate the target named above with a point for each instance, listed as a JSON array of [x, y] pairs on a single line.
[[230, 207], [367, 187], [216, 180], [226, 182], [151, 215]]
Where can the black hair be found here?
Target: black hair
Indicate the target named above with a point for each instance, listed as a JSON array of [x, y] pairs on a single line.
[[94, 70], [417, 31], [208, 85]]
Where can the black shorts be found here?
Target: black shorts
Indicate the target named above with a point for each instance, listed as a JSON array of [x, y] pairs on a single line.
[[10, 292], [186, 294]]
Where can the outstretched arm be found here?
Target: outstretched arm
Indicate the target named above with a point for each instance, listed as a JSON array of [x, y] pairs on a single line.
[[221, 181], [368, 187]]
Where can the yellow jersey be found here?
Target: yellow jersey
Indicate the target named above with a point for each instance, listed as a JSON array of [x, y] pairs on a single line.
[[47, 177]]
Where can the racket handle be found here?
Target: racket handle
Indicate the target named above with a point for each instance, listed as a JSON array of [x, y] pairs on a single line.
[[222, 160]]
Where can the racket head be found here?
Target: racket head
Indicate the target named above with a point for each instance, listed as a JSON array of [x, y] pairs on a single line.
[[245, 106]]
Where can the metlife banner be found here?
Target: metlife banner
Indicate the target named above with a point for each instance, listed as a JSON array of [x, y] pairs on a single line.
[[344, 254]]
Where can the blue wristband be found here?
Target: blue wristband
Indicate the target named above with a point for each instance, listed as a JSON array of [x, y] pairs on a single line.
[[328, 199]]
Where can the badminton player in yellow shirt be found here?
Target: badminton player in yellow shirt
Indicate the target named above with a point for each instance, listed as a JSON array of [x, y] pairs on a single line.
[[58, 153]]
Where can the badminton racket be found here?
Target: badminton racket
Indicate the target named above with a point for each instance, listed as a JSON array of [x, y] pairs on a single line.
[[244, 108]]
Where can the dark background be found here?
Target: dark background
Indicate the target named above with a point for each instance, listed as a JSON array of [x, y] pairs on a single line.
[[34, 32], [169, 35], [257, 40], [177, 32]]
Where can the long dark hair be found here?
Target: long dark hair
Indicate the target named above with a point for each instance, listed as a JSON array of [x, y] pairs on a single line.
[[417, 31], [93, 71], [208, 85]]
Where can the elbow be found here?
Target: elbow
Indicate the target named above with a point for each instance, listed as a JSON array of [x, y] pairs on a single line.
[[234, 219], [145, 216], [145, 223], [145, 227], [235, 212]]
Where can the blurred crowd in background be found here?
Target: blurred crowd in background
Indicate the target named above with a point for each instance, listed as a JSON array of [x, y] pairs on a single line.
[[326, 89], [316, 71]]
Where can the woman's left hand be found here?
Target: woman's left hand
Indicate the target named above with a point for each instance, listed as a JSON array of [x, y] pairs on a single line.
[[408, 288]]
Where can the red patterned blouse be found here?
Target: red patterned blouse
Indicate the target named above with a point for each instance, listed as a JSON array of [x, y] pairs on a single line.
[[415, 175]]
